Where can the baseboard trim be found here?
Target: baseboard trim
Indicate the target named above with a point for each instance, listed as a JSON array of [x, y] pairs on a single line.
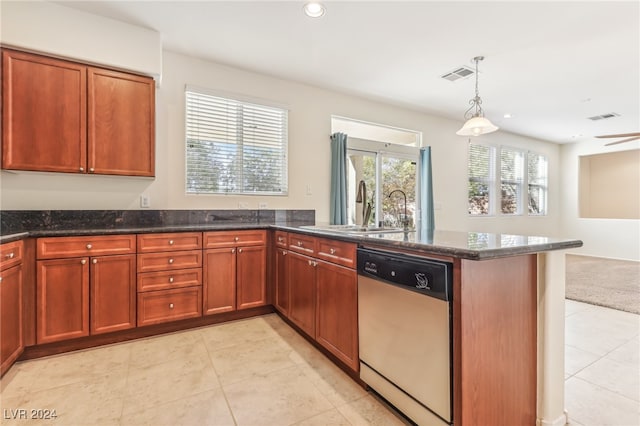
[[562, 420]]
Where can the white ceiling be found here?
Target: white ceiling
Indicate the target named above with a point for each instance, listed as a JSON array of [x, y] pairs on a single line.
[[550, 64]]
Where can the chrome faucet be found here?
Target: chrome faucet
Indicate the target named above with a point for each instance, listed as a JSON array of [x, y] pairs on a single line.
[[405, 222]]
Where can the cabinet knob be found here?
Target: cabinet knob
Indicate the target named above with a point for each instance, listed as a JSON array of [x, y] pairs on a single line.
[[170, 260], [233, 250], [95, 261], [236, 239], [239, 250], [10, 255], [284, 252], [0, 279], [82, 169], [91, 170], [332, 251], [83, 261], [170, 279], [299, 243], [170, 242], [170, 305], [280, 239], [89, 246], [310, 263]]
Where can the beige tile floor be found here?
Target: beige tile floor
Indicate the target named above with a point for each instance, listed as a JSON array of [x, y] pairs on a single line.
[[602, 369], [249, 372], [260, 372]]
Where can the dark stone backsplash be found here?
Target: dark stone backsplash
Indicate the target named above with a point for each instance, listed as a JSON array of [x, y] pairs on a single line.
[[15, 221]]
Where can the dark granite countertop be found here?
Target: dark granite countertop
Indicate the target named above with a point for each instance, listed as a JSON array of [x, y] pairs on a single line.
[[464, 245]]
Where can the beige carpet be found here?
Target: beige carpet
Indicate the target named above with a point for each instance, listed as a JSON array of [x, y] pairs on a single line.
[[605, 282]]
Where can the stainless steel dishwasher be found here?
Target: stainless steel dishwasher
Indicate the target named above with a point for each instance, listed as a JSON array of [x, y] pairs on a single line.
[[404, 320]]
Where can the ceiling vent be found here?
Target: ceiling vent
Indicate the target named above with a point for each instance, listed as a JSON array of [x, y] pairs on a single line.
[[458, 74], [604, 116]]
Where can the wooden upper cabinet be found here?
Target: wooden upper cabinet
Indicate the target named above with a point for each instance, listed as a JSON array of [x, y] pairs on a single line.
[[44, 121], [62, 116], [121, 111]]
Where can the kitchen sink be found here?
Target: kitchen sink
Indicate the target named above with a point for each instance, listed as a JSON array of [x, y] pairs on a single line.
[[354, 229]]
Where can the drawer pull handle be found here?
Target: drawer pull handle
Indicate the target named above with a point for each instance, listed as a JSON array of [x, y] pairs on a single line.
[[170, 305], [170, 260], [95, 261], [299, 243], [237, 239], [170, 242], [170, 279], [10, 255], [83, 262], [332, 251], [89, 246]]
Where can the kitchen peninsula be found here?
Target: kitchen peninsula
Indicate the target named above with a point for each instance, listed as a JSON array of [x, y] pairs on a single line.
[[507, 302]]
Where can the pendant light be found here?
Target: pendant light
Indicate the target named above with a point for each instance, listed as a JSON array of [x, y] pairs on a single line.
[[476, 123]]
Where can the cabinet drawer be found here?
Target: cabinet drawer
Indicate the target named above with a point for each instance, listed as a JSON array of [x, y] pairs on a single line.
[[10, 254], [234, 238], [281, 239], [169, 261], [302, 243], [169, 305], [59, 247], [148, 243], [338, 252], [165, 280]]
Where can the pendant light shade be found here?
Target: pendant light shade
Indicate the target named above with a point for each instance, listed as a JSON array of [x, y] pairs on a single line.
[[476, 124]]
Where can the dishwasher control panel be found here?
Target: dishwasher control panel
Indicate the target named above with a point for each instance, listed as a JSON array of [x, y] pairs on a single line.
[[430, 277]]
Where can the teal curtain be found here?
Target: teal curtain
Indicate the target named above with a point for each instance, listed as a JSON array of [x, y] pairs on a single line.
[[427, 220], [338, 202]]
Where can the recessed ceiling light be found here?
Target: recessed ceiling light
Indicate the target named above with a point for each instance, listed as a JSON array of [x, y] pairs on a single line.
[[507, 115], [314, 9]]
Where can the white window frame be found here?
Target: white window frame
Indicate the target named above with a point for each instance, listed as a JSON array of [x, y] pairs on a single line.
[[495, 183], [242, 102]]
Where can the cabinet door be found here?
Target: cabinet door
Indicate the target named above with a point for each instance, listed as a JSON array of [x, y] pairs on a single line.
[[337, 312], [219, 284], [251, 283], [10, 316], [62, 299], [121, 120], [282, 282], [302, 292], [44, 120], [113, 293]]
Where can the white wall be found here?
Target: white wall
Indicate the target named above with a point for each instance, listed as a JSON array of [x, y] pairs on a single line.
[[310, 111], [69, 33], [55, 29], [614, 238]]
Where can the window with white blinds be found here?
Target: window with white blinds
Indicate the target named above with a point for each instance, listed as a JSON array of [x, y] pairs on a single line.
[[235, 147], [481, 179], [511, 177], [497, 177]]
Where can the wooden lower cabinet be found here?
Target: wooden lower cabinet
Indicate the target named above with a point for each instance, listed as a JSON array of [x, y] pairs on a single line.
[[251, 270], [281, 301], [113, 293], [11, 343], [219, 284], [155, 307], [302, 292], [337, 311], [62, 305]]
